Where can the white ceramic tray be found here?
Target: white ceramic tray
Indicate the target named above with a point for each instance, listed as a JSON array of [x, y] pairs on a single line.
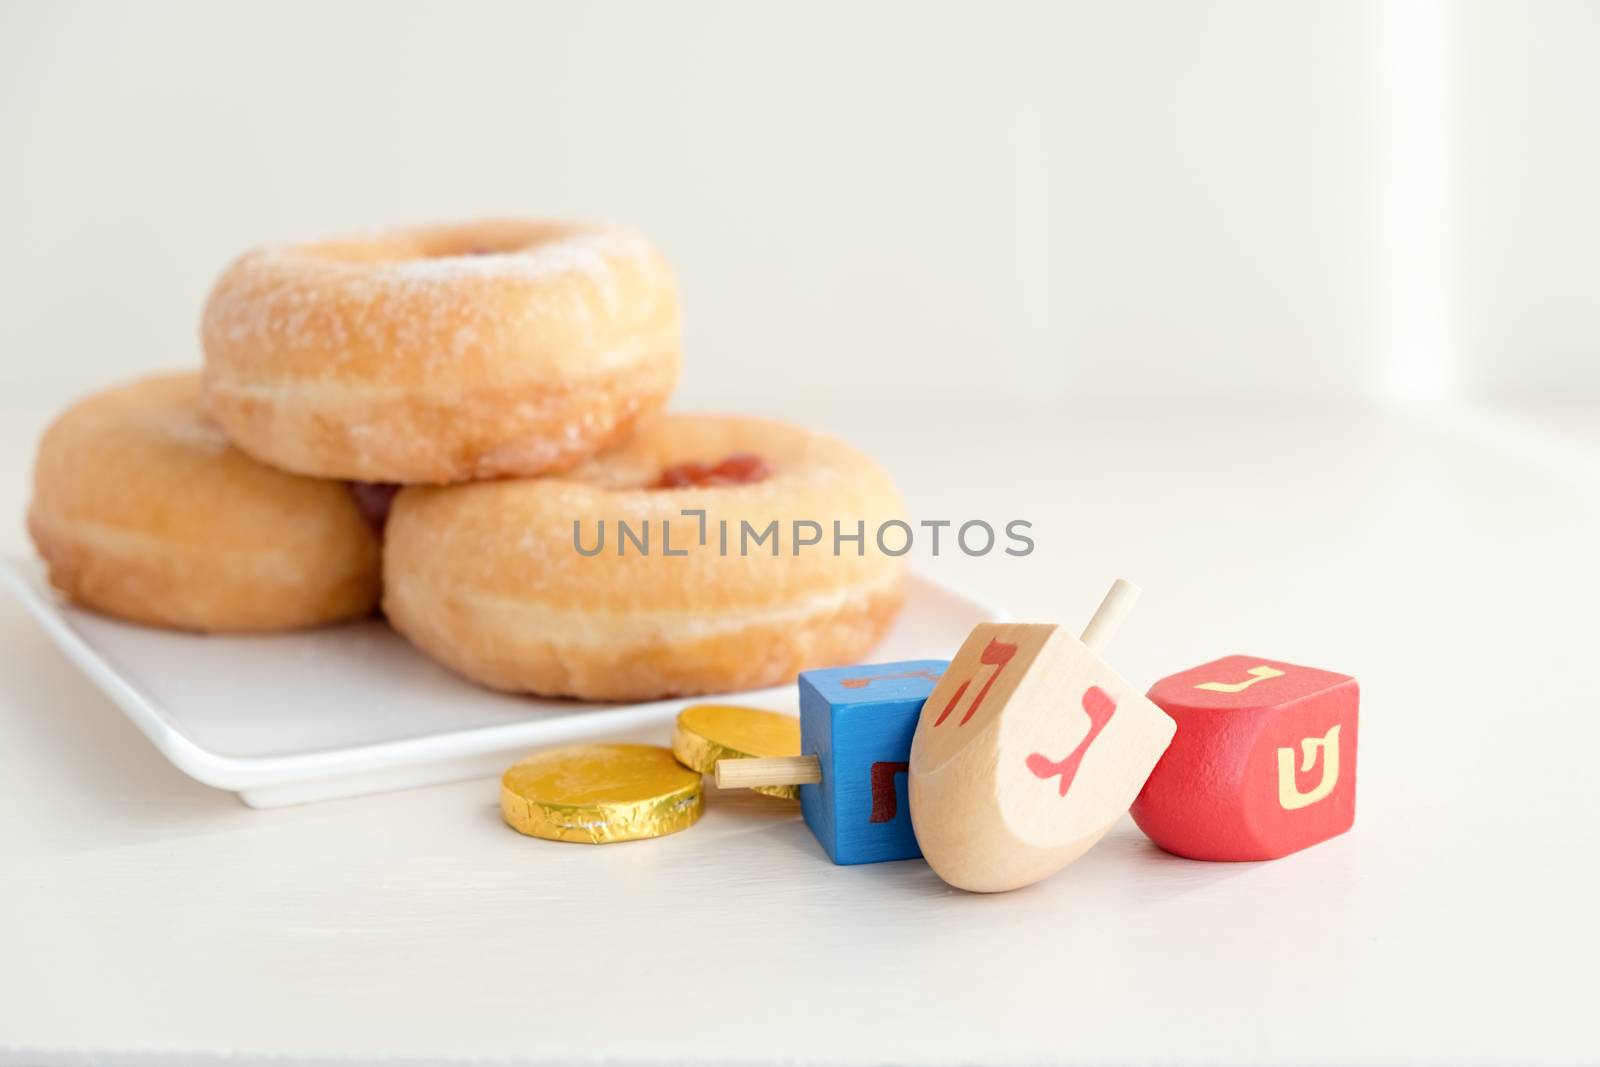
[[290, 718]]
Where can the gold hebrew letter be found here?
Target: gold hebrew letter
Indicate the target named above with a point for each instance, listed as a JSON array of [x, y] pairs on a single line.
[[1257, 674], [1289, 795]]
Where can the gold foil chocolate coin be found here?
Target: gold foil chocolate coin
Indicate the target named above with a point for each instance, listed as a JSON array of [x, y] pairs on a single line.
[[597, 794], [707, 733]]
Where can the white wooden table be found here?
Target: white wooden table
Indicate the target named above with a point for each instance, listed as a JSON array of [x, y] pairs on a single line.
[[1450, 564]]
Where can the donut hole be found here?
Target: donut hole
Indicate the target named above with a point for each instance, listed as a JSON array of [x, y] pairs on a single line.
[[489, 239], [466, 246], [441, 243]]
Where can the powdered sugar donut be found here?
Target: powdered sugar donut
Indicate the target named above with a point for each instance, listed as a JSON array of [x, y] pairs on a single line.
[[143, 510], [700, 557], [443, 353]]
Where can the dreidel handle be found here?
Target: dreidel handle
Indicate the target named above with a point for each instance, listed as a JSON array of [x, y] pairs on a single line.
[[773, 770], [1108, 616]]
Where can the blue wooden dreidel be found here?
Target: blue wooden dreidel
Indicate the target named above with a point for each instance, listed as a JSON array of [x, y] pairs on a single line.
[[856, 725]]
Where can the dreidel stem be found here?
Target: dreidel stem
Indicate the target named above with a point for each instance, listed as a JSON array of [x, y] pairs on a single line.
[[1108, 616], [772, 770]]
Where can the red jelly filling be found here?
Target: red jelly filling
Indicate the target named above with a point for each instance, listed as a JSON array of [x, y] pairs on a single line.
[[373, 500], [741, 468]]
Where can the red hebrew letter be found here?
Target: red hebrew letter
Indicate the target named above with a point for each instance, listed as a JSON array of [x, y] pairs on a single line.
[[885, 805], [1100, 707], [996, 654]]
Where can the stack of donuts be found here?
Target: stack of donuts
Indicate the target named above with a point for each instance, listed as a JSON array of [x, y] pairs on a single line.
[[441, 423]]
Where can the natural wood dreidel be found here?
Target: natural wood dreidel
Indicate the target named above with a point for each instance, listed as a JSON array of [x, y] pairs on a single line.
[[1028, 750], [855, 742], [1264, 763]]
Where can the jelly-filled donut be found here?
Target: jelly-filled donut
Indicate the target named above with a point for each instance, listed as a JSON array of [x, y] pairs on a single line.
[[143, 510], [705, 555], [441, 354]]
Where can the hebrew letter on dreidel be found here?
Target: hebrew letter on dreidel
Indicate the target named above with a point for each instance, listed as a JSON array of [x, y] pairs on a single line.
[[1289, 795], [1257, 674], [1100, 708], [996, 654], [885, 805]]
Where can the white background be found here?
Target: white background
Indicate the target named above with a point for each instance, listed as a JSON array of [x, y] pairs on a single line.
[[1016, 203], [1288, 311]]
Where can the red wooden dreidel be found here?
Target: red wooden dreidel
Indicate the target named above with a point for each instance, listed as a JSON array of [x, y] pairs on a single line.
[[1264, 762], [1028, 750]]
